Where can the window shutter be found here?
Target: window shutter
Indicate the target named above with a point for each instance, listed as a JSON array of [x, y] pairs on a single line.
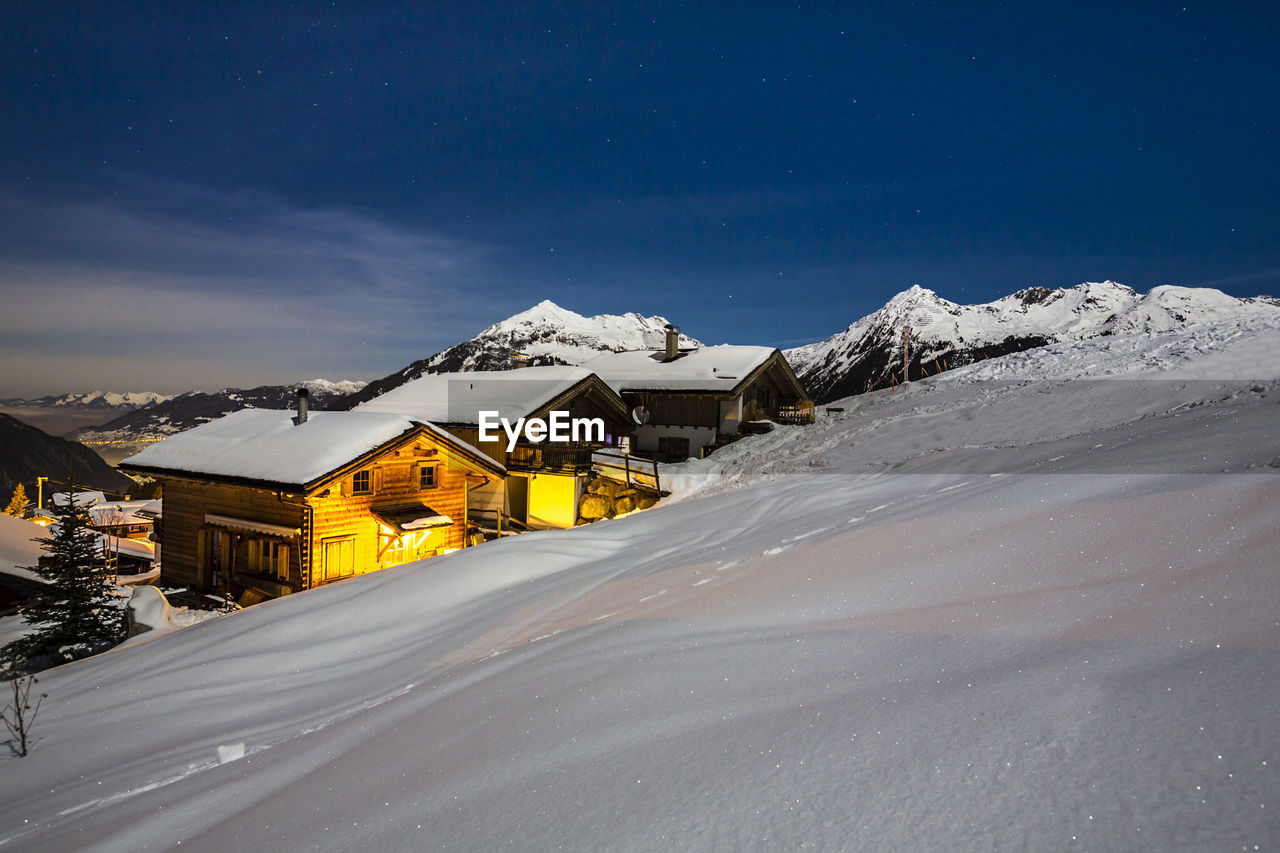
[[282, 567]]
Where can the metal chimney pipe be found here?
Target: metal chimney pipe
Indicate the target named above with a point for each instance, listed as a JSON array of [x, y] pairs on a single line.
[[303, 401], [673, 342]]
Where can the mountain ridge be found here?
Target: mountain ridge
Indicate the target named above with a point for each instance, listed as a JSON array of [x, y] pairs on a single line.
[[545, 332], [184, 411], [27, 452], [93, 400], [945, 334]]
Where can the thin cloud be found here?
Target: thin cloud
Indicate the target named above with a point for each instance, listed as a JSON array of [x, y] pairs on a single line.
[[1272, 274], [232, 288]]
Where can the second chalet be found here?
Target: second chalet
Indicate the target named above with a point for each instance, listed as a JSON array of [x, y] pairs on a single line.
[[546, 481], [262, 503], [691, 401]]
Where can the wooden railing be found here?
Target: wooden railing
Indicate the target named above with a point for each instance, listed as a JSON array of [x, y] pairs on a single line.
[[626, 468], [558, 458], [797, 415]]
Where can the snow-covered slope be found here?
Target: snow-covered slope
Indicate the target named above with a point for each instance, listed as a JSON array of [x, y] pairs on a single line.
[[974, 614], [870, 351], [18, 549], [547, 333]]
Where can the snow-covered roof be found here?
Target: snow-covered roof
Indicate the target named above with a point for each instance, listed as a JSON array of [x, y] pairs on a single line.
[[124, 512], [17, 551], [90, 498], [266, 444], [458, 398], [133, 548], [718, 368]]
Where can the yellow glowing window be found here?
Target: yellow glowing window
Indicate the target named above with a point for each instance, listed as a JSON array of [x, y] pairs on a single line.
[[428, 477]]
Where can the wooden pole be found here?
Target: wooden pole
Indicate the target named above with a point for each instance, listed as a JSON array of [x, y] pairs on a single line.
[[906, 352]]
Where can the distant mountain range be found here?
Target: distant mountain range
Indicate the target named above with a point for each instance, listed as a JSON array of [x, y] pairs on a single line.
[[27, 453], [184, 411], [546, 333], [93, 400], [866, 354], [945, 334]]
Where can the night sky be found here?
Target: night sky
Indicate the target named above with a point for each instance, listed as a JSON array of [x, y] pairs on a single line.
[[194, 196]]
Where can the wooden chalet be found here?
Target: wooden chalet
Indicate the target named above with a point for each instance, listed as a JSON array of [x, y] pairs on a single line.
[[546, 480], [128, 531], [126, 526], [262, 503], [692, 401]]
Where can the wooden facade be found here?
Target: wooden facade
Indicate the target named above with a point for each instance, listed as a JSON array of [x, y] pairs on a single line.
[[546, 480], [590, 398], [406, 500]]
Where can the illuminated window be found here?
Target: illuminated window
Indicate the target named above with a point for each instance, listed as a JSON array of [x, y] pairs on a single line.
[[362, 483], [428, 477], [269, 557]]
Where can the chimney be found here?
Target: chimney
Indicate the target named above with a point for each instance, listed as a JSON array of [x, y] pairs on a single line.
[[303, 400], [673, 342], [517, 360]]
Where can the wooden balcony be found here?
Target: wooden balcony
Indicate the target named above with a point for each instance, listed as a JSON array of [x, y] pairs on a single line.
[[554, 458]]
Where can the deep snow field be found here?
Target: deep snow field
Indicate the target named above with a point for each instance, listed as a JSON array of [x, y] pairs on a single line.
[[1018, 606]]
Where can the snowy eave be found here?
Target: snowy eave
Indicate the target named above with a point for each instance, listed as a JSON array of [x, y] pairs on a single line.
[[132, 548], [250, 525], [416, 517]]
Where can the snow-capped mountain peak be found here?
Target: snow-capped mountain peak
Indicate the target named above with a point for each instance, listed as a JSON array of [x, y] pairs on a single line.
[[947, 334], [330, 388], [545, 332], [97, 400]]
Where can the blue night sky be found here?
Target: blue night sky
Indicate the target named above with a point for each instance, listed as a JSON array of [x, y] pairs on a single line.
[[194, 196]]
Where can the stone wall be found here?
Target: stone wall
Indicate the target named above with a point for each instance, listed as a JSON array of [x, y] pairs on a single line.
[[606, 498]]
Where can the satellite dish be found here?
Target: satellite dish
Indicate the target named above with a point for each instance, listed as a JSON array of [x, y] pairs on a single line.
[[640, 415]]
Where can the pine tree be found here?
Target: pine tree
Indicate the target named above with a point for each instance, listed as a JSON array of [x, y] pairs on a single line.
[[77, 614], [18, 503]]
